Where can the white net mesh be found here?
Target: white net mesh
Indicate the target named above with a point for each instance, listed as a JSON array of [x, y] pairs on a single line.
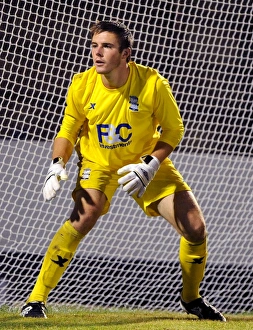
[[205, 50]]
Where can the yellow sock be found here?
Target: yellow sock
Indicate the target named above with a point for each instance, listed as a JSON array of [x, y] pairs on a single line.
[[56, 260], [193, 261]]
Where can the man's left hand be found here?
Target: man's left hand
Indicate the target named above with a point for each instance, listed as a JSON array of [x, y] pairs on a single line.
[[139, 175]]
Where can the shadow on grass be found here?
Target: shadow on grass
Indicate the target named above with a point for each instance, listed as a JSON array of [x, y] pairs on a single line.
[[72, 321], [93, 320]]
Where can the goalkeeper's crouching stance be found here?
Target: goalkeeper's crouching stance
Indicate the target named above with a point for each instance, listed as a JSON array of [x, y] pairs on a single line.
[[114, 110]]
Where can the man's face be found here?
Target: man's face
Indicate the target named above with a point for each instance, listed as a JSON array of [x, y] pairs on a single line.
[[105, 52]]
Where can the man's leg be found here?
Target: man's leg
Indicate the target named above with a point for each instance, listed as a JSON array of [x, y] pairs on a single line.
[[183, 212], [88, 207], [192, 258], [57, 258]]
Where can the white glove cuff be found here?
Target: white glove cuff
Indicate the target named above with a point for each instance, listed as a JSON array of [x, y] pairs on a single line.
[[151, 161], [58, 160]]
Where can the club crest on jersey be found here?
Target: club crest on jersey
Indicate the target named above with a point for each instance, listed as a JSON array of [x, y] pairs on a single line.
[[133, 103]]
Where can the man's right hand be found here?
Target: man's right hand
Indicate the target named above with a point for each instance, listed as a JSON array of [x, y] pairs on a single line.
[[55, 173]]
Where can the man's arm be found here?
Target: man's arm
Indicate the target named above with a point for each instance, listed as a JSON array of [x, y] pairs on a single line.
[[162, 150], [62, 147]]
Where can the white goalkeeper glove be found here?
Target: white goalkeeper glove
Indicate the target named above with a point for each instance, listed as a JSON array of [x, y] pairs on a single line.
[[55, 173], [139, 176]]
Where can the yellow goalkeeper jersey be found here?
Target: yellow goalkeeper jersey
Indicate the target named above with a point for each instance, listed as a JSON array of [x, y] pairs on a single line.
[[118, 126]]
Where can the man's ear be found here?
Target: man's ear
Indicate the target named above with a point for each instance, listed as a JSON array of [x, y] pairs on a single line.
[[127, 53]]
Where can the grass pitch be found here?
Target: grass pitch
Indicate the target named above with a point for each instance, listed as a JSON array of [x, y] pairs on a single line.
[[75, 318]]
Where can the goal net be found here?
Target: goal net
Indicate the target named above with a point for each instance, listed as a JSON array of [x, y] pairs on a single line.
[[204, 48]]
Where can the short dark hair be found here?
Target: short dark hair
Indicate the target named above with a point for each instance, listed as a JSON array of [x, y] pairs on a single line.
[[123, 34]]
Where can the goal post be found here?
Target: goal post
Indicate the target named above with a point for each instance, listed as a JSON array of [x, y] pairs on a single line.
[[129, 259]]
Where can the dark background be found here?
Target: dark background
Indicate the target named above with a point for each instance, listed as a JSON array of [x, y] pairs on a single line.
[[205, 50]]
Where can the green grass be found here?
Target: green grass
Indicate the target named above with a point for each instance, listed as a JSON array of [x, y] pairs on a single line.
[[71, 318]]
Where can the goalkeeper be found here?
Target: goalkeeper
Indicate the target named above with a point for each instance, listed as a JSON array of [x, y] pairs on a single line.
[[124, 123]]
